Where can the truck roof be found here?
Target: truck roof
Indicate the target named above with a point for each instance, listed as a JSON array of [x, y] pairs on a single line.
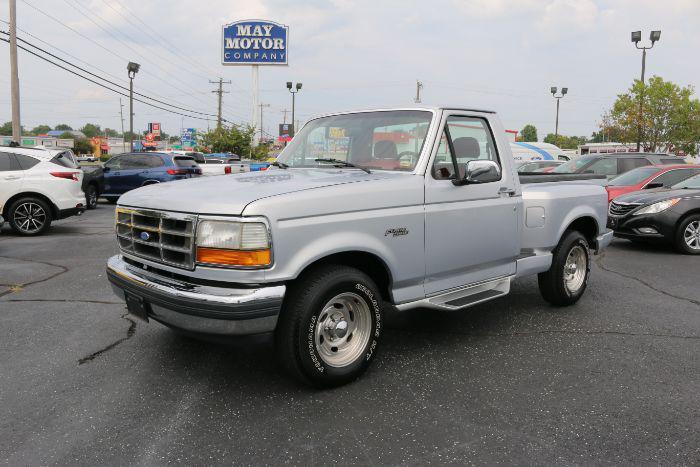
[[423, 107]]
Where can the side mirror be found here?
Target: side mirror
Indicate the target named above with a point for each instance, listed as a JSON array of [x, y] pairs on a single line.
[[479, 171], [105, 169], [650, 186]]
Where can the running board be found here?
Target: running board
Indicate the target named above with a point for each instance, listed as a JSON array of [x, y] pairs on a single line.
[[463, 297]]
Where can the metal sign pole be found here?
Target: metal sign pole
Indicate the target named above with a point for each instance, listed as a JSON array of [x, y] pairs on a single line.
[[256, 99]]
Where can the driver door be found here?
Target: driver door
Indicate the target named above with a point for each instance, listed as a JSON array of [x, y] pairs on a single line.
[[473, 230]]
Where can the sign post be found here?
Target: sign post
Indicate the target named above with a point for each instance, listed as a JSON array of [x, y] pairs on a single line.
[[254, 43]]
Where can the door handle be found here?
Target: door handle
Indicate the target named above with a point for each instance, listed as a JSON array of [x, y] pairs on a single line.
[[12, 177], [504, 190]]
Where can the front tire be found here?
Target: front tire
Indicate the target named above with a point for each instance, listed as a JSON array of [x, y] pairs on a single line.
[[688, 235], [329, 328], [30, 216], [91, 197], [567, 278]]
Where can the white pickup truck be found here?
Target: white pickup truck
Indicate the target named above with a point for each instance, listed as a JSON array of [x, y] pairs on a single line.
[[403, 208], [215, 165]]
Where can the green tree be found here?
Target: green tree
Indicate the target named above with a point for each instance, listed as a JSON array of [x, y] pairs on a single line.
[[235, 139], [6, 129], [667, 114], [63, 127], [111, 133], [40, 129], [528, 134], [90, 130], [66, 135], [565, 142], [82, 146]]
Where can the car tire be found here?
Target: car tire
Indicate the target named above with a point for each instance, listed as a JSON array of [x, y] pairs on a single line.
[[567, 278], [329, 328], [29, 216], [91, 197], [687, 239]]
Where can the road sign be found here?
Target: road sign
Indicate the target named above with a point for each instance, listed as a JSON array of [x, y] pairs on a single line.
[[188, 134], [254, 42], [154, 128], [286, 130]]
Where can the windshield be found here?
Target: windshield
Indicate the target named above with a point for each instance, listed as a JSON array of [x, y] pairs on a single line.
[[573, 166], [375, 140], [692, 182], [633, 177]]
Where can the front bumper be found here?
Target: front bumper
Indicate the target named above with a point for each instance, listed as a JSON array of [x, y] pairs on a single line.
[[603, 240], [202, 309], [632, 227]]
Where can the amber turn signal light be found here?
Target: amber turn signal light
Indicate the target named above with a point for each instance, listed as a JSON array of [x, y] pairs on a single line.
[[216, 256]]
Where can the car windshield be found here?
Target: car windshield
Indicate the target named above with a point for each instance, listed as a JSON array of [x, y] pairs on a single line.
[[390, 140], [692, 182], [574, 166], [633, 177]]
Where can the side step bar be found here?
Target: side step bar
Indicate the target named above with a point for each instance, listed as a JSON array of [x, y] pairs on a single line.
[[463, 297]]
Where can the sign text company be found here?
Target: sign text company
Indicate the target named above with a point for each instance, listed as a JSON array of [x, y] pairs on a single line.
[[254, 42]]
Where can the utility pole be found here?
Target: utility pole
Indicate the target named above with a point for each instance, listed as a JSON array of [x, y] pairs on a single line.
[[261, 119], [419, 88], [14, 78], [121, 115], [220, 93]]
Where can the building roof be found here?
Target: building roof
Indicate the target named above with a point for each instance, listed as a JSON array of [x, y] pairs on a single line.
[[75, 133]]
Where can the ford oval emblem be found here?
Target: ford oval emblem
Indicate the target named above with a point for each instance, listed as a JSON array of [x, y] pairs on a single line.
[[145, 236]]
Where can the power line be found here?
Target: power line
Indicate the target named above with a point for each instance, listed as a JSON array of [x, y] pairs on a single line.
[[103, 85]]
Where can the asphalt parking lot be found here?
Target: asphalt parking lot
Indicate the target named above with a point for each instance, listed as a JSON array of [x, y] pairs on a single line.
[[614, 379]]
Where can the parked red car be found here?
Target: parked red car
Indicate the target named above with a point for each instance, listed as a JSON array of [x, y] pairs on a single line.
[[652, 176]]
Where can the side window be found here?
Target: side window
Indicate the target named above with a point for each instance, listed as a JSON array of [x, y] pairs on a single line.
[[26, 162], [114, 163], [603, 167], [471, 140], [674, 176], [625, 164], [154, 161], [8, 162]]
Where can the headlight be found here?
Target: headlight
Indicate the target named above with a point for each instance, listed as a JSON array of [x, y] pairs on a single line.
[[233, 244], [657, 207]]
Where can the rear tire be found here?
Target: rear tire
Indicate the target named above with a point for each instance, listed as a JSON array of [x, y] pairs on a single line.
[[567, 278], [329, 327], [687, 239], [29, 216]]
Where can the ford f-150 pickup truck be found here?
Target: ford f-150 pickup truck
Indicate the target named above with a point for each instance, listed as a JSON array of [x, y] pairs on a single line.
[[404, 208]]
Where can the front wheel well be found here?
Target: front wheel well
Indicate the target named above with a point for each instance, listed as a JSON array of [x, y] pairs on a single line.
[[685, 216], [587, 226], [29, 194], [368, 263]]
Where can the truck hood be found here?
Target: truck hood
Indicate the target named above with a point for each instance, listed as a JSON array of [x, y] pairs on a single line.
[[655, 195], [230, 194]]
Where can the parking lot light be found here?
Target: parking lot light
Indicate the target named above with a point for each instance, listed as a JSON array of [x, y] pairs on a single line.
[[654, 37], [132, 68]]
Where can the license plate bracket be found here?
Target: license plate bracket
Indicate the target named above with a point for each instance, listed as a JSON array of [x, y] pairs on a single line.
[[137, 306]]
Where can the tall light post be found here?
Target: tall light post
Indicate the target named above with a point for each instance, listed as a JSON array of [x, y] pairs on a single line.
[[14, 75], [654, 37], [553, 90], [294, 90], [132, 68]]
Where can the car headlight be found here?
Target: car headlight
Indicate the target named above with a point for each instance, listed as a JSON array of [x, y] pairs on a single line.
[[657, 207], [233, 244]]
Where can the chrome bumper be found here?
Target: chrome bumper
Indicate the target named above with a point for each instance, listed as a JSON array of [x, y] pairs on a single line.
[[603, 240], [198, 308]]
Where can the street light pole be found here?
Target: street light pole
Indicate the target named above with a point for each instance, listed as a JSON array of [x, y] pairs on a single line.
[[553, 90], [132, 68], [654, 37], [14, 75], [294, 90]]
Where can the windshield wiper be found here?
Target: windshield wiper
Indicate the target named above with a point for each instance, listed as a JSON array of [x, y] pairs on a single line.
[[343, 163], [279, 164]]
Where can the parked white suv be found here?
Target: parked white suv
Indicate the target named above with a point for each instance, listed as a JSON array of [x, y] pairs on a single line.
[[38, 186]]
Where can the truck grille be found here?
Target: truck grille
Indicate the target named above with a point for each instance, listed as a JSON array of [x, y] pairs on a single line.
[[163, 237], [621, 209]]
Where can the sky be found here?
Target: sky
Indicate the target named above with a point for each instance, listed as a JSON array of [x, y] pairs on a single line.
[[502, 55]]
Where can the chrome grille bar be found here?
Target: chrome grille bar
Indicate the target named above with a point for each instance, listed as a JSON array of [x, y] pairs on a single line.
[[159, 236]]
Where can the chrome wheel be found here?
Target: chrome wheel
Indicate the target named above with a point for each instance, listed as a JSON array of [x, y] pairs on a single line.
[[29, 217], [575, 269], [691, 235], [343, 329]]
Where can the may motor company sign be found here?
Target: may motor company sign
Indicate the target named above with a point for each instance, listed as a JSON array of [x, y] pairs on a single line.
[[254, 42]]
